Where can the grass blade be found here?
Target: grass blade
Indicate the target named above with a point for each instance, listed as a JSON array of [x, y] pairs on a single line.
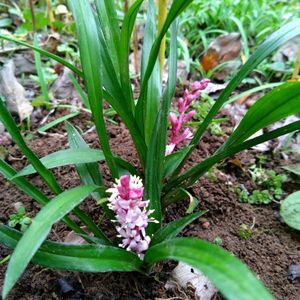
[[47, 175], [57, 121], [80, 91], [88, 172], [43, 52], [39, 69], [229, 275]]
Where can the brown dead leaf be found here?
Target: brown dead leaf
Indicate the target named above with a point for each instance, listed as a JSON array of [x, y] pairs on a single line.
[[224, 48]]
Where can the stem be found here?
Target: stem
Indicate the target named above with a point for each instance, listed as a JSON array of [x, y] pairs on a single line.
[[126, 6], [136, 49], [50, 14], [162, 15], [32, 15], [297, 67]]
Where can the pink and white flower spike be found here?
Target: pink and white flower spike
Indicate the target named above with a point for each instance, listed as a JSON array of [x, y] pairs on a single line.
[[127, 202], [178, 133]]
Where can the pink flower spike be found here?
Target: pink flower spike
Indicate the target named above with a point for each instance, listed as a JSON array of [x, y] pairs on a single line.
[[181, 107], [127, 202], [170, 148], [199, 85], [173, 119], [189, 115], [187, 135]]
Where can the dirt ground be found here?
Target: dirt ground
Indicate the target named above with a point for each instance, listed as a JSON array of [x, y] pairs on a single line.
[[269, 252]]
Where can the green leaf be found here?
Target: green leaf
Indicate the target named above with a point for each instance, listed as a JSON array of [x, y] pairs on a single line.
[[157, 147], [109, 24], [5, 22], [13, 130], [90, 55], [65, 158], [43, 52], [152, 97], [192, 175], [9, 173], [228, 274], [176, 8], [127, 28], [57, 121], [290, 210], [274, 41], [40, 71], [172, 229], [47, 175], [282, 102], [80, 91], [173, 160], [38, 231], [89, 173], [82, 258]]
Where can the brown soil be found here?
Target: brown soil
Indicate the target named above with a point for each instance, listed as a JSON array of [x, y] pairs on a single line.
[[269, 252]]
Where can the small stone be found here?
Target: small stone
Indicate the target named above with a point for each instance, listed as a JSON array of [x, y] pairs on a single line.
[[203, 220], [205, 225]]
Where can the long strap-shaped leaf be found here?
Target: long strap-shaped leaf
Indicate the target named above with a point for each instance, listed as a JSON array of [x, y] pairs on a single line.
[[157, 147], [126, 32], [47, 175], [89, 172], [13, 130], [177, 7], [43, 52], [152, 97], [9, 173], [189, 177], [82, 258], [172, 229], [278, 38], [109, 24], [114, 99], [90, 55], [131, 124], [229, 275], [282, 102], [38, 231], [64, 158]]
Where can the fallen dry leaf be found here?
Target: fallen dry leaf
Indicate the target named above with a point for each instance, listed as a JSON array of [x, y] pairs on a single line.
[[13, 92], [224, 48]]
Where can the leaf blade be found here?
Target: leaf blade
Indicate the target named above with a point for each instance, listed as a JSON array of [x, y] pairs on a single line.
[[229, 275], [82, 258], [38, 231], [64, 158]]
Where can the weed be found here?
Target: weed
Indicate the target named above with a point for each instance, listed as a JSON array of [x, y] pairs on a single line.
[[19, 220]]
